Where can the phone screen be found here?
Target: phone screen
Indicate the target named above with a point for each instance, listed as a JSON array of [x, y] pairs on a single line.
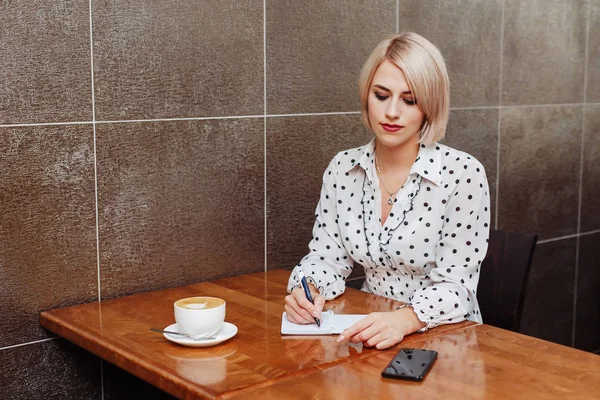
[[411, 364]]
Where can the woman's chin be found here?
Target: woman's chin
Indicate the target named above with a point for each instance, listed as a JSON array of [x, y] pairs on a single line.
[[393, 139]]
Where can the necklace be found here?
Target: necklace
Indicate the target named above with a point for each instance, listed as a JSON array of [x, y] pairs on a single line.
[[391, 194]]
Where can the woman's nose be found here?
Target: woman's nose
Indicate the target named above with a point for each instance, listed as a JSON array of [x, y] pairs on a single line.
[[392, 111]]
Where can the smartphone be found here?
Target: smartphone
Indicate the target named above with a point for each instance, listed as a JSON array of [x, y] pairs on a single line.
[[410, 364]]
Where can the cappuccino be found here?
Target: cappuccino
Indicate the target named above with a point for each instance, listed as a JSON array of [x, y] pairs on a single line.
[[200, 316], [200, 303]]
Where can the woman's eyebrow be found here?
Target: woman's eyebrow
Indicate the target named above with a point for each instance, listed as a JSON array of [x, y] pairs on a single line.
[[388, 90]]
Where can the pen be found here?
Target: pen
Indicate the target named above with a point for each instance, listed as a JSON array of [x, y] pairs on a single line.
[[307, 292]]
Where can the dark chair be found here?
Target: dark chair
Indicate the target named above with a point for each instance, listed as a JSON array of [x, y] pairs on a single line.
[[503, 278]]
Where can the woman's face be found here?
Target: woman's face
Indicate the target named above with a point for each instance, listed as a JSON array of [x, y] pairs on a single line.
[[393, 113]]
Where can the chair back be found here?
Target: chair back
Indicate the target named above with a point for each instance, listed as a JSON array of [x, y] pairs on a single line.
[[503, 278]]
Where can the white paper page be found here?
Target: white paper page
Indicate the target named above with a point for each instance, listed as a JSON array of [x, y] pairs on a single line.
[[331, 323], [344, 321]]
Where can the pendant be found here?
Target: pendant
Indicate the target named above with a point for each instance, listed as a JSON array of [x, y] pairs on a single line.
[[390, 201]]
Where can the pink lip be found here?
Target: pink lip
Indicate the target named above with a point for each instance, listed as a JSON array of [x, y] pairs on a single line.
[[392, 127]]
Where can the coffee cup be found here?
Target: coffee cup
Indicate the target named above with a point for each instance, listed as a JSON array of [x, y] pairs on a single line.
[[200, 317]]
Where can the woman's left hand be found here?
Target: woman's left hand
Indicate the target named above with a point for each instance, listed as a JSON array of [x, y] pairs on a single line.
[[383, 329]]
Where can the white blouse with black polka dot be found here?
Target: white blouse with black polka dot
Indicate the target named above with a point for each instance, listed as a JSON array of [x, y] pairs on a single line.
[[431, 246]]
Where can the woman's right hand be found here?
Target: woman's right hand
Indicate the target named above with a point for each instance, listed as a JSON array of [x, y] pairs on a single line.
[[299, 310]]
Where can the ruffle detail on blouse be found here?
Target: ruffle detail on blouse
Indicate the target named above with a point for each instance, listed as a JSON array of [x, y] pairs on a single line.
[[378, 237], [407, 206]]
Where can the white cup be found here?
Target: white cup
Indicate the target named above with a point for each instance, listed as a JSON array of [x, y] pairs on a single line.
[[200, 316]]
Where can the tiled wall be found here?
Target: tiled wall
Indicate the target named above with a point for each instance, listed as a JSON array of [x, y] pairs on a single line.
[[171, 142]]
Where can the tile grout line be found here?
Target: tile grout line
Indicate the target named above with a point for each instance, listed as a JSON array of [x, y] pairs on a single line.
[[581, 155], [557, 239], [589, 232], [313, 114], [543, 105], [215, 118], [265, 132], [466, 108], [95, 180], [497, 205], [124, 121], [28, 343], [571, 236], [46, 124], [95, 155]]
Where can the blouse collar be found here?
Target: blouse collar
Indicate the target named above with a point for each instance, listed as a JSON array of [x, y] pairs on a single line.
[[428, 163]]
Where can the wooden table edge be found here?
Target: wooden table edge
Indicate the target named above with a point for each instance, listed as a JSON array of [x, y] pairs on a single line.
[[148, 372], [172, 383], [151, 373]]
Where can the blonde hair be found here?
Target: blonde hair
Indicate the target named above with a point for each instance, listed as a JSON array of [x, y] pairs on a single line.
[[426, 75]]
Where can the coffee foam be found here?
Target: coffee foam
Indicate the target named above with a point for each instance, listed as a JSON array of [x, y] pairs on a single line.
[[196, 306], [200, 303]]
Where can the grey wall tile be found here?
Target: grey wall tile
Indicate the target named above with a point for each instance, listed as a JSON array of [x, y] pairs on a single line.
[[54, 369], [47, 225], [548, 308], [593, 65], [315, 50], [179, 202], [298, 151], [468, 35], [476, 132], [539, 169], [178, 58], [45, 63], [587, 318], [590, 200], [544, 51], [119, 384]]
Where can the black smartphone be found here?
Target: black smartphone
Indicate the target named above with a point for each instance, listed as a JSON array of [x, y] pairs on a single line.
[[410, 364]]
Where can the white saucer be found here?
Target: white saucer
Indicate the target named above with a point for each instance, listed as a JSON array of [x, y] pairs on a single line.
[[226, 332]]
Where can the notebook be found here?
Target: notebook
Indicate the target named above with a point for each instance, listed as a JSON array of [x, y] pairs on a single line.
[[331, 324]]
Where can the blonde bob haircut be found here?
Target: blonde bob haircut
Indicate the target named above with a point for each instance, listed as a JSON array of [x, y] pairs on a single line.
[[425, 72]]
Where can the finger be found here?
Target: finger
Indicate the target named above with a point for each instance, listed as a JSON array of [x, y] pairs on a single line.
[[290, 315], [289, 299], [357, 327], [300, 304], [303, 315], [294, 317], [319, 304], [304, 304], [296, 311], [366, 335], [372, 340], [387, 343]]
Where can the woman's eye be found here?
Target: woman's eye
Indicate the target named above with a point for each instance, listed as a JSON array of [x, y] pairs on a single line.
[[410, 102], [380, 96]]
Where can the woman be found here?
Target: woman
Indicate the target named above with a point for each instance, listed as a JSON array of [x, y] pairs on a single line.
[[414, 213]]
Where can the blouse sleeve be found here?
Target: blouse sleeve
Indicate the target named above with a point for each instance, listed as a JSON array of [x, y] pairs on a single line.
[[328, 264], [459, 253]]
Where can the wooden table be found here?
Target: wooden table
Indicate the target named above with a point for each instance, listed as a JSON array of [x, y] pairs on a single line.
[[476, 361]]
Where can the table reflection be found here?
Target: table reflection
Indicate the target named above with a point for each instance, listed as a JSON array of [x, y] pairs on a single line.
[[204, 366], [315, 350], [459, 357]]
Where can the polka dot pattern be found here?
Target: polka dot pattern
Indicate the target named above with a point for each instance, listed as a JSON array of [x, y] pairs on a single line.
[[430, 248]]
